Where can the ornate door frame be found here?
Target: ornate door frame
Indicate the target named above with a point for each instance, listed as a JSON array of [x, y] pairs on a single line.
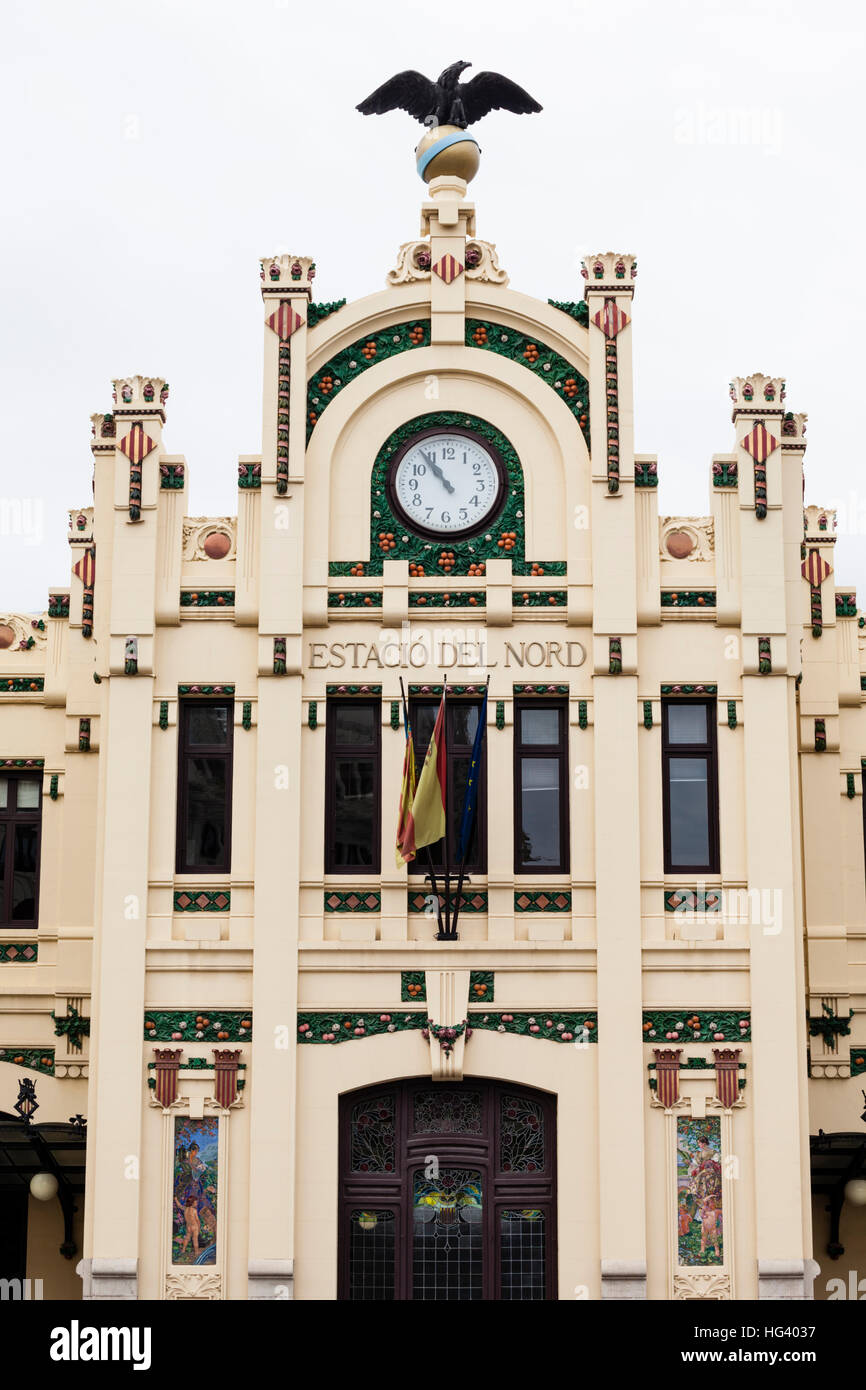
[[478, 1148]]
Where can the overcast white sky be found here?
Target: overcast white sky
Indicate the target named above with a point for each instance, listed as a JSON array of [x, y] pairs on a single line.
[[152, 152]]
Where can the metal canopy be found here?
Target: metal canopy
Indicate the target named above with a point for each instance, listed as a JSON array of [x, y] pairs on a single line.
[[27, 1149], [22, 1151], [835, 1160]]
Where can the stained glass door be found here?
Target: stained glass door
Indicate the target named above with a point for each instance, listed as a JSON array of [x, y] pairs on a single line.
[[447, 1193]]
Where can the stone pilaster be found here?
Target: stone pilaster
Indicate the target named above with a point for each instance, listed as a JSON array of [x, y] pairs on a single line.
[[621, 1077], [286, 291], [127, 453], [771, 806]]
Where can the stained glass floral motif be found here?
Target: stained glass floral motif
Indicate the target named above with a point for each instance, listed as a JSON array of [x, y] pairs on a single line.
[[448, 1235], [447, 1112], [521, 1135], [373, 1136], [699, 1191]]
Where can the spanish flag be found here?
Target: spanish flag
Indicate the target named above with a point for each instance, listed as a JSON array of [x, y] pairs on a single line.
[[426, 823], [404, 850]]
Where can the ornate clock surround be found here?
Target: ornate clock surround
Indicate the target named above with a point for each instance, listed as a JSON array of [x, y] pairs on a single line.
[[466, 532], [426, 549]]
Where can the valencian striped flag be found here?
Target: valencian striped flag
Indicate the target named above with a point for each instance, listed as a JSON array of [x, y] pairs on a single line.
[[470, 800], [426, 822], [405, 851]]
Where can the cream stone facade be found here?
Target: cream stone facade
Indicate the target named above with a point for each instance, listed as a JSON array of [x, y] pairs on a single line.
[[604, 990]]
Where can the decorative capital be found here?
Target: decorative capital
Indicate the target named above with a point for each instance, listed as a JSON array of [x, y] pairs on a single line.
[[794, 430], [607, 271], [81, 525], [288, 274], [140, 395], [757, 393], [103, 430], [819, 525]]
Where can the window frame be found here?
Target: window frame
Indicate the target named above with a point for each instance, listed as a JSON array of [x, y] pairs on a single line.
[[11, 819], [559, 750], [709, 752], [203, 750], [419, 867], [335, 752]]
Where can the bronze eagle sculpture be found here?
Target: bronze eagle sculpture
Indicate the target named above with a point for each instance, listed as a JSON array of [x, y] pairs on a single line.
[[448, 101]]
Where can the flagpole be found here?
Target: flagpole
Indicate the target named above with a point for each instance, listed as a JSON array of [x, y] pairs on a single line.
[[432, 874], [466, 847]]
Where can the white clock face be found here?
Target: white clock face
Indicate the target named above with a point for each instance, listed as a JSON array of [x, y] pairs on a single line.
[[447, 484]]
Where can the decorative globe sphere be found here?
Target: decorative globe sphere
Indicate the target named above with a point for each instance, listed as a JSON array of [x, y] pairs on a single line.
[[43, 1186], [446, 149], [855, 1192]]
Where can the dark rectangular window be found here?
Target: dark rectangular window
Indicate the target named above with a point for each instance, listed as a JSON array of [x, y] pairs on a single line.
[[353, 792], [20, 833], [690, 786], [204, 809], [461, 725], [540, 787]]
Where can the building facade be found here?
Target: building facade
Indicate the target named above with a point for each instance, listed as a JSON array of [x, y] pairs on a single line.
[[258, 1071]]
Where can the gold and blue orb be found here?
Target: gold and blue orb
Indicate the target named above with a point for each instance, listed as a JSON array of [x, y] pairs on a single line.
[[446, 149]]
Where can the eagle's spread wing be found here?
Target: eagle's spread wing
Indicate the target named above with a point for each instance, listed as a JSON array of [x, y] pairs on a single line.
[[407, 91], [488, 91]]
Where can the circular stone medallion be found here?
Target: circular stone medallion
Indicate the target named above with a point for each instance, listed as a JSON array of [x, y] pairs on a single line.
[[217, 545], [679, 545]]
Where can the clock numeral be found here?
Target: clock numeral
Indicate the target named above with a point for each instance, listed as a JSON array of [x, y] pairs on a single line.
[[448, 451], [476, 467], [464, 515], [429, 513], [419, 469], [413, 484], [474, 501], [416, 500], [446, 517]]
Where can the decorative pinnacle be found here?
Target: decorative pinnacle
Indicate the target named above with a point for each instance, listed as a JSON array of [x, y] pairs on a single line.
[[607, 270], [288, 273], [147, 394], [757, 393], [819, 525]]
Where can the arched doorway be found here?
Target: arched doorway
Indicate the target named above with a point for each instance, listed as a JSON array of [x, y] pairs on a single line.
[[447, 1192]]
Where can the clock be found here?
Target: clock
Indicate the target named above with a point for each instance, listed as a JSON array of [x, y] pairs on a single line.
[[447, 483]]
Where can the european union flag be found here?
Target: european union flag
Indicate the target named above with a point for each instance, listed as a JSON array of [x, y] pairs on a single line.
[[470, 801]]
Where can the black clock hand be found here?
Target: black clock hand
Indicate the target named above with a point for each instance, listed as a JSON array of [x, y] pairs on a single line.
[[449, 487]]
